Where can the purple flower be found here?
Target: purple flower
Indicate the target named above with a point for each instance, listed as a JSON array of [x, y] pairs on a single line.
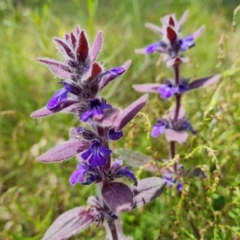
[[159, 128], [184, 125], [85, 175], [107, 76], [113, 135], [78, 175], [72, 88], [114, 72], [58, 98], [156, 47], [172, 42], [172, 178], [117, 171], [82, 76], [61, 99], [167, 90], [96, 109], [96, 154], [186, 43], [179, 186], [171, 181], [126, 172]]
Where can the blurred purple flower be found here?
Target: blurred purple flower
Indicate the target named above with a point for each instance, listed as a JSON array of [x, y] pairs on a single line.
[[172, 178], [186, 43], [171, 42], [184, 125], [167, 90], [159, 127]]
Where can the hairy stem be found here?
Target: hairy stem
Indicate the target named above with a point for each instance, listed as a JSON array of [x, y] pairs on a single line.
[[176, 74], [172, 149], [178, 105], [176, 114], [113, 230]]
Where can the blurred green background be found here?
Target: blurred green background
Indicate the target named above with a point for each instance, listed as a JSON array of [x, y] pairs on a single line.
[[32, 194]]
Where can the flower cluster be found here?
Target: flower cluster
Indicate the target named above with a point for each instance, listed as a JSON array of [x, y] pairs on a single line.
[[175, 125], [172, 43], [82, 79]]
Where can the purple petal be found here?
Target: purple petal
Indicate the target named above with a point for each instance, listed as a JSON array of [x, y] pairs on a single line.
[[148, 88], [113, 135], [157, 130], [167, 91], [111, 74], [147, 190], [78, 175], [169, 181], [204, 82], [174, 136], [85, 155], [106, 151], [71, 222], [71, 88], [105, 105], [126, 172], [117, 196], [179, 186], [64, 151], [96, 46], [116, 165], [155, 47], [58, 68], [86, 115], [184, 125], [130, 112], [186, 43], [98, 154], [97, 160], [55, 101], [95, 110]]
